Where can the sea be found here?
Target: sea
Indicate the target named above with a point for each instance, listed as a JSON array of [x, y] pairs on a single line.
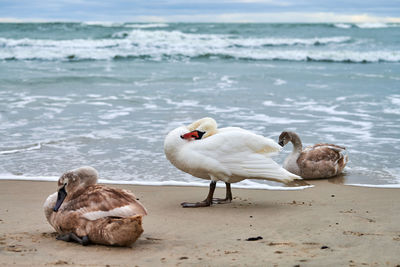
[[106, 94]]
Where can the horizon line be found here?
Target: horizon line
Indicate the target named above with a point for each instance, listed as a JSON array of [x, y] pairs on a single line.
[[193, 22]]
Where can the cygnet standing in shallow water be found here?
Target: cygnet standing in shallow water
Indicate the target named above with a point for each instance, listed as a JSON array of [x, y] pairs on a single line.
[[317, 161], [85, 212], [227, 154]]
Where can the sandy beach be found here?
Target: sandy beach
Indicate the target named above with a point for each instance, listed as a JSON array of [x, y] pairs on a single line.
[[327, 225]]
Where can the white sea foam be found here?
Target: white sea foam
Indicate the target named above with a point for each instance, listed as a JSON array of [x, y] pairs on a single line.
[[225, 82], [270, 103], [103, 23], [313, 85], [377, 186], [325, 109], [216, 110], [93, 95], [395, 111], [160, 44], [113, 114], [269, 120], [151, 106], [394, 108], [244, 184], [395, 99], [290, 41], [342, 25], [365, 125], [122, 34], [150, 25], [372, 25], [37, 146], [370, 75], [183, 103], [279, 82], [359, 132]]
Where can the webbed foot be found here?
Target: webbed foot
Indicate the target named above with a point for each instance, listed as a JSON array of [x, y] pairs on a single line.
[[71, 237], [203, 203], [221, 200]]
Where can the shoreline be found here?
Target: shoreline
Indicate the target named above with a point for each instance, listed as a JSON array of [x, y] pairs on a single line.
[[248, 184], [326, 225]]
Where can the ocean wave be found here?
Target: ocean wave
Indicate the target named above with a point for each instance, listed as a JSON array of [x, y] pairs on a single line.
[[309, 55], [36, 146], [147, 25], [127, 25], [366, 25], [290, 41], [326, 57], [372, 25], [343, 25], [175, 45], [318, 56], [102, 23], [137, 38]]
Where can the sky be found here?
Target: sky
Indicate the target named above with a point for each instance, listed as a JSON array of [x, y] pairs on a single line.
[[357, 11]]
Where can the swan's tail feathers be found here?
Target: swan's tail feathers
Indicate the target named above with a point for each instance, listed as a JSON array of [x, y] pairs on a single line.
[[118, 231], [286, 177], [266, 169], [277, 174], [342, 161]]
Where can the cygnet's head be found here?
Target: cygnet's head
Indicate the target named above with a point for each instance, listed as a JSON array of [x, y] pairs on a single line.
[[74, 180], [285, 138]]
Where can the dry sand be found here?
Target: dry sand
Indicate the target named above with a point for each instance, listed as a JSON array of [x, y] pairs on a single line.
[[328, 225]]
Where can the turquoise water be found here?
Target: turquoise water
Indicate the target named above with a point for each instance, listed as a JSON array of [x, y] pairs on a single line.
[[106, 95]]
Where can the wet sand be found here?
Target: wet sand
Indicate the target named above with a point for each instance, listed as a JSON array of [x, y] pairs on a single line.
[[327, 225]]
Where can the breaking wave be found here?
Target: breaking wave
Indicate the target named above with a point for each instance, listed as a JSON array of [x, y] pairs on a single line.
[[158, 45]]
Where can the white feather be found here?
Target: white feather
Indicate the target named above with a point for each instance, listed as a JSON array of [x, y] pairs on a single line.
[[125, 211]]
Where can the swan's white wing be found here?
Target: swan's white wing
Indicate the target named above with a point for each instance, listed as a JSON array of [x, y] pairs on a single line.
[[255, 142], [237, 155]]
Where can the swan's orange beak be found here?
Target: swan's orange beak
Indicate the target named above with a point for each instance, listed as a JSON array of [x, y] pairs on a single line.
[[194, 134]]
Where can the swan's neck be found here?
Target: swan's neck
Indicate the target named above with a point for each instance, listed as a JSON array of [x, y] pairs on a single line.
[[173, 144], [297, 145], [290, 163]]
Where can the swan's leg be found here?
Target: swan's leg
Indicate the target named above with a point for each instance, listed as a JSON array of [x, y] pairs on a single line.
[[84, 241], [65, 237], [228, 197], [205, 203]]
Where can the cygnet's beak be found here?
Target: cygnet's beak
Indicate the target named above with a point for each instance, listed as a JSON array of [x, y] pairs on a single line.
[[281, 143], [62, 194]]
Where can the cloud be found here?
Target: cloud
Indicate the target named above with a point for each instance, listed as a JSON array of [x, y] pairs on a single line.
[[283, 17], [268, 2], [276, 17], [356, 11], [10, 20]]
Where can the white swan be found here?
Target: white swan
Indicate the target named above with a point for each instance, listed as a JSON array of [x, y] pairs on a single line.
[[228, 154], [317, 161]]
